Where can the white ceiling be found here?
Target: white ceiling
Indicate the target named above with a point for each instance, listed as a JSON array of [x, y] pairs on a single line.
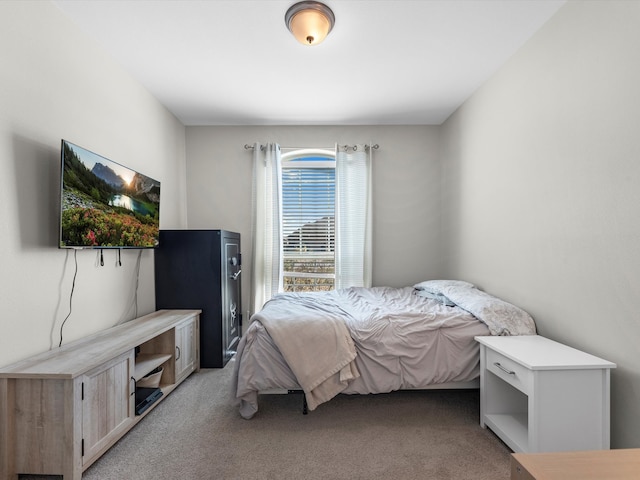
[[233, 62]]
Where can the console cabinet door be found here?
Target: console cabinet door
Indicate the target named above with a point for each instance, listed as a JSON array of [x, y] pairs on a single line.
[[186, 348], [107, 405]]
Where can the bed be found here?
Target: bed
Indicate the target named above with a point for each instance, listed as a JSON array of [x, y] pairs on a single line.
[[369, 340]]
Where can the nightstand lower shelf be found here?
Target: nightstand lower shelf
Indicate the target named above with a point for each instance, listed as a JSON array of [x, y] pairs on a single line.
[[511, 427]]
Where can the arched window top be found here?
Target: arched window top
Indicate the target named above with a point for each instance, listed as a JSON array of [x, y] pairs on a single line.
[[312, 158]]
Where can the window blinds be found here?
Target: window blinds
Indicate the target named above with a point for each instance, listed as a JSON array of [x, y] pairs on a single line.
[[308, 211]]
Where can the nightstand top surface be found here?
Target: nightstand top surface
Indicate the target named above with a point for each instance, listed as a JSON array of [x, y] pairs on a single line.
[[540, 353]]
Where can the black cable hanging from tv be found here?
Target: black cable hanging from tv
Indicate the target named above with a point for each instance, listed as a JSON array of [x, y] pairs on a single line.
[[73, 287], [135, 297]]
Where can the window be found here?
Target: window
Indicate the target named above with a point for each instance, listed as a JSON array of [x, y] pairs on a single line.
[[324, 211], [308, 220]]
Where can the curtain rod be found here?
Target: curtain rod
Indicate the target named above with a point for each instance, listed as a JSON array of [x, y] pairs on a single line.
[[345, 147]]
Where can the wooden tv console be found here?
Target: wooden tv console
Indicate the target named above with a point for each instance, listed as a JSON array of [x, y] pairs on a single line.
[[62, 409]]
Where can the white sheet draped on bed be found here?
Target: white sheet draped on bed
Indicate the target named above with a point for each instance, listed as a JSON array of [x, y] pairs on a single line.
[[315, 343]]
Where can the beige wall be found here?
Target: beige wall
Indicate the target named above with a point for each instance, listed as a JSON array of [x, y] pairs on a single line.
[[55, 83], [406, 190], [541, 189]]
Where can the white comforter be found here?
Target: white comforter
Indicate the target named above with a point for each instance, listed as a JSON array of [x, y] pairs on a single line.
[[402, 341]]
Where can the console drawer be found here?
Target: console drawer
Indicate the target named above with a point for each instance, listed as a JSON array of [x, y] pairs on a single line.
[[510, 371]]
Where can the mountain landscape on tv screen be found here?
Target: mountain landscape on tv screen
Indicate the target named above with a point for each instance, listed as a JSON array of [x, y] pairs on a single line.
[[108, 175], [101, 209]]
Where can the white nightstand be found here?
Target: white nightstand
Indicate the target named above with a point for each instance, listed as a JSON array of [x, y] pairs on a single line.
[[538, 395]]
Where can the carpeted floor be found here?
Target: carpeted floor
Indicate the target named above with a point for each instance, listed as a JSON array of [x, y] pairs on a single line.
[[195, 433]]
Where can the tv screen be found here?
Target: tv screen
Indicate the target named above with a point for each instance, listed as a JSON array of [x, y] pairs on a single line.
[[105, 204]]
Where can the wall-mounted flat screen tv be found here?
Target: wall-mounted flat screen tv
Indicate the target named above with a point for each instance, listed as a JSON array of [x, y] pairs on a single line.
[[105, 204]]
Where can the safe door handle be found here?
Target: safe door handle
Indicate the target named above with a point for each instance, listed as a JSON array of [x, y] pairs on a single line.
[[504, 369]]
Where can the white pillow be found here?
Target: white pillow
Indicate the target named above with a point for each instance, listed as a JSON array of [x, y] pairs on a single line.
[[436, 286]]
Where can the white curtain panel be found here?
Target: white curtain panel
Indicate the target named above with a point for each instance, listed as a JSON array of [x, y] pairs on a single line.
[[267, 263], [353, 216]]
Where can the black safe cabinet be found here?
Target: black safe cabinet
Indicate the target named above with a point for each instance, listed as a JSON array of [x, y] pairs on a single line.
[[200, 269]]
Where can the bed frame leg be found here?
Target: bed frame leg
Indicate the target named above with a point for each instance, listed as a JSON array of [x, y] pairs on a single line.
[[305, 407]]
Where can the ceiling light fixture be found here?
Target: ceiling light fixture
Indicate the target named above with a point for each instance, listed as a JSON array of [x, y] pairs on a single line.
[[309, 22]]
